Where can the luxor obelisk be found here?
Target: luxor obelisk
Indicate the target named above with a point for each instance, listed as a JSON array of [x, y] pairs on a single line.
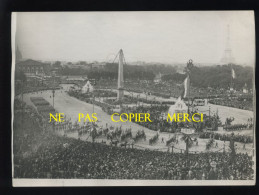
[[120, 93]]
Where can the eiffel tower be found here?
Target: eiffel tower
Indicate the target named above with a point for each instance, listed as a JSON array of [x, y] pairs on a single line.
[[227, 56]]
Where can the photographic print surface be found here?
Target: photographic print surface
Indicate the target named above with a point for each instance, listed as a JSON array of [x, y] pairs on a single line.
[[133, 98]]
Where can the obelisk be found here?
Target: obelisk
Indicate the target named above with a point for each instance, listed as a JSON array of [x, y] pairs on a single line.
[[120, 77]]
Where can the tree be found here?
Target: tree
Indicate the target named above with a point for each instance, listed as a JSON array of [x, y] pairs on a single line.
[[57, 63]]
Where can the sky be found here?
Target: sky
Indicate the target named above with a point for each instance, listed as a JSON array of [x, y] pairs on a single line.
[[166, 37]]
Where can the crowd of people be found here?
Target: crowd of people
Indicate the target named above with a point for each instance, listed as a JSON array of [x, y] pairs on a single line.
[[97, 93], [158, 119], [227, 137], [43, 154], [234, 102], [168, 89], [158, 116], [27, 128], [237, 127], [61, 157], [27, 87], [153, 139]]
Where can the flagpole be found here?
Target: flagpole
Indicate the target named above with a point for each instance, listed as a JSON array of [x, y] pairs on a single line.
[[189, 94], [233, 76], [93, 103], [187, 83]]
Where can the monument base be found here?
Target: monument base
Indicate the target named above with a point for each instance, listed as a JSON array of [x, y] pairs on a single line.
[[120, 94]]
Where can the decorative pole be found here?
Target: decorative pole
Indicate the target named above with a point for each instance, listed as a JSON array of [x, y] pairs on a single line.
[[188, 100], [189, 67], [93, 103], [53, 95], [231, 81]]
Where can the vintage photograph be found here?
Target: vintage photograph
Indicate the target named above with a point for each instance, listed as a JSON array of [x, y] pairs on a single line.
[[133, 98]]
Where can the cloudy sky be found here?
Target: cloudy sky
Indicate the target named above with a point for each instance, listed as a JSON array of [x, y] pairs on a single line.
[[144, 36]]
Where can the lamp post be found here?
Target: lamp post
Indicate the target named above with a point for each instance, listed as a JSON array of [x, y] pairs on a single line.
[[188, 71], [93, 96], [53, 95], [187, 140], [93, 102]]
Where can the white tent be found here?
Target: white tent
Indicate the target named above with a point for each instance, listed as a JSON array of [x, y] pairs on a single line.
[[178, 107], [87, 87]]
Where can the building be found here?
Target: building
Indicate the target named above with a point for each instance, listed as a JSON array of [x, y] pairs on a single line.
[[178, 107], [98, 65], [87, 87], [32, 67]]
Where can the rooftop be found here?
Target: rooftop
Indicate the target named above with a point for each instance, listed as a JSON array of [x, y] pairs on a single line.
[[30, 62]]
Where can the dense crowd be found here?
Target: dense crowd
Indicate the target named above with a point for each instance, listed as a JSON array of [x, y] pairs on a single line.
[[227, 137], [59, 157], [153, 139], [28, 88], [27, 127], [39, 154], [158, 116], [235, 103], [158, 119], [96, 94], [168, 89], [237, 127]]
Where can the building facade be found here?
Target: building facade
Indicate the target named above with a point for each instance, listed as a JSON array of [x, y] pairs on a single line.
[[32, 67]]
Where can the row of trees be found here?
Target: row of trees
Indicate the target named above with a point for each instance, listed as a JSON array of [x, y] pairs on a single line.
[[215, 76], [208, 76], [218, 76]]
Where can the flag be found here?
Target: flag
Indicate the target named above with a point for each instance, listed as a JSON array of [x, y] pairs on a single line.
[[233, 74], [186, 87]]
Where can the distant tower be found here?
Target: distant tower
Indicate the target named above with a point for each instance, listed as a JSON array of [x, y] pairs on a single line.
[[227, 56], [18, 54], [120, 93]]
